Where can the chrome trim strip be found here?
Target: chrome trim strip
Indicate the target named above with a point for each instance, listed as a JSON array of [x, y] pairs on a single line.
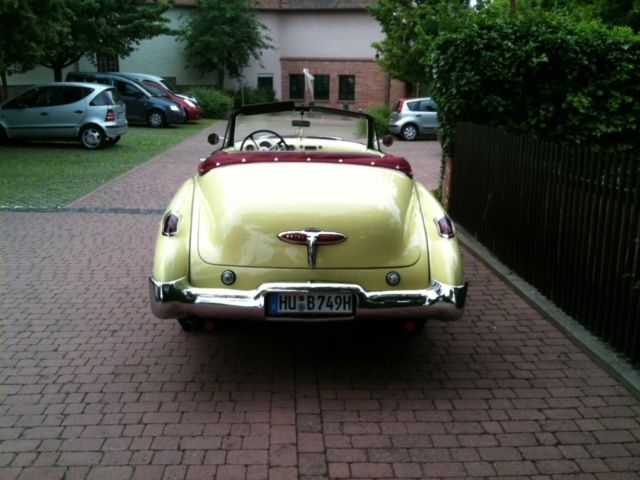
[[179, 299]]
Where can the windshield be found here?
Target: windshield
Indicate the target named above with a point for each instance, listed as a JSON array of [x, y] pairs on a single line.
[[312, 124], [156, 92]]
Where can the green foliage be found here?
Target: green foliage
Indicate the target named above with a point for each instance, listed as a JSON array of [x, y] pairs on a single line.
[[551, 76], [224, 35], [611, 12], [214, 103], [250, 95], [381, 115], [20, 26], [70, 29], [410, 28]]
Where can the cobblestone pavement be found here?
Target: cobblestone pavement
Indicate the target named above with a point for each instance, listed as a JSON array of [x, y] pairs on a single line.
[[94, 387]]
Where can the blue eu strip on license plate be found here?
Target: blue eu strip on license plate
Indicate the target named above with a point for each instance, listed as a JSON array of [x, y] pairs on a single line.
[[311, 304]]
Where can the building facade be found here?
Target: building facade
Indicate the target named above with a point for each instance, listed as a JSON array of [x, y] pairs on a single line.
[[331, 39]]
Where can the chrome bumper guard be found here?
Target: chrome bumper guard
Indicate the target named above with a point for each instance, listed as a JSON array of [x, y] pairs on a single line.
[[179, 299]]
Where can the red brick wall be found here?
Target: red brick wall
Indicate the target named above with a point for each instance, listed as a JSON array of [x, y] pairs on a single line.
[[372, 85]]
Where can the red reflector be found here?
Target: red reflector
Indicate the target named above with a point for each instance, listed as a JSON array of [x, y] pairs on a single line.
[[111, 116], [330, 238], [445, 227], [170, 224]]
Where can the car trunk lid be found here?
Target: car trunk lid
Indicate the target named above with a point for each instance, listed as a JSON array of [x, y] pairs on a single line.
[[242, 213]]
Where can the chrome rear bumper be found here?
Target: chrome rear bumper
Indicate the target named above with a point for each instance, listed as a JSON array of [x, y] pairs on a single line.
[[179, 299]]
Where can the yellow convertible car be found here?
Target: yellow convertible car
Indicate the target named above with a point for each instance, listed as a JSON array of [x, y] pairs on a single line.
[[300, 216]]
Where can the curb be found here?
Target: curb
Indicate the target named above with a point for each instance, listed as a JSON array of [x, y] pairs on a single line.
[[595, 348]]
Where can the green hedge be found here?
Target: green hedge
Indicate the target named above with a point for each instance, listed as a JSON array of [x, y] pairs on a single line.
[[251, 95], [550, 76], [381, 114], [215, 103]]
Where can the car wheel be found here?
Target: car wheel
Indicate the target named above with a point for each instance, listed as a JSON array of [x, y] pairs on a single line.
[[92, 137], [156, 119], [190, 324], [3, 136], [113, 141], [409, 132]]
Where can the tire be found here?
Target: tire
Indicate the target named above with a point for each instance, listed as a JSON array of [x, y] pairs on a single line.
[[112, 141], [156, 119], [3, 137], [409, 132], [92, 137]]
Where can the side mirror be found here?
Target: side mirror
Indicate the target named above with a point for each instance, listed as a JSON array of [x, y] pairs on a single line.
[[213, 138], [387, 140]]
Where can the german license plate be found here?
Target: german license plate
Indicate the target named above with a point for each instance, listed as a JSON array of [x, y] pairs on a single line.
[[311, 304]]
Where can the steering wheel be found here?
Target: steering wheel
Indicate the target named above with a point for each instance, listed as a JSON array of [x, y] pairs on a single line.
[[279, 145]]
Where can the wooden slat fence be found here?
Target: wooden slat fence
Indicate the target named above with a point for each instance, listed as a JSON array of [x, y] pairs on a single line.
[[567, 220]]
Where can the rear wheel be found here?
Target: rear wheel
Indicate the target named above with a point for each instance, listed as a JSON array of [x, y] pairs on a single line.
[[92, 137], [188, 324], [409, 132], [156, 119]]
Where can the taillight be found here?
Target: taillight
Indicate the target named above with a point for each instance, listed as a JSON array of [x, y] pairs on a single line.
[[445, 226], [111, 116], [400, 106], [170, 224]]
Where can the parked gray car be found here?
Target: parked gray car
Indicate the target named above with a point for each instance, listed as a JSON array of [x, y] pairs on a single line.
[[412, 117], [94, 114]]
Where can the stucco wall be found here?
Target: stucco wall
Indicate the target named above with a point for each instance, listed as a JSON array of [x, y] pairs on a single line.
[[164, 56]]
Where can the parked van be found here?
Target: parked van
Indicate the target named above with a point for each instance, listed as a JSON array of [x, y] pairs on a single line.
[[142, 105], [158, 84]]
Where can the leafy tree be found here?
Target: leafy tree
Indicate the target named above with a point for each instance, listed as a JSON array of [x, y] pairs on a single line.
[[26, 26], [410, 28], [222, 36], [110, 27], [611, 12]]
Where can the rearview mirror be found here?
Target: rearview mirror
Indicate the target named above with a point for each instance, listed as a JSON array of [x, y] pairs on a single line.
[[213, 138], [301, 123]]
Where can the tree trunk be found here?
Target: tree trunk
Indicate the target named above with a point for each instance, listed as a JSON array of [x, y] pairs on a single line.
[[57, 74], [4, 93]]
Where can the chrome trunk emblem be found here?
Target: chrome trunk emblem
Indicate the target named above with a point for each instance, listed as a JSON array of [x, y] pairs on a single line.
[[312, 238]]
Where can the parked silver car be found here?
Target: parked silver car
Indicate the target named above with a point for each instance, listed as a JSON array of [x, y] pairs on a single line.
[[94, 114], [412, 117]]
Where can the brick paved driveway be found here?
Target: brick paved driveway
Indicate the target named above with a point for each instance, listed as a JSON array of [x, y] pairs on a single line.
[[94, 387]]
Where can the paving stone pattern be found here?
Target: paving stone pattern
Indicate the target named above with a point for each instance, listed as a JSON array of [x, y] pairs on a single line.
[[92, 386]]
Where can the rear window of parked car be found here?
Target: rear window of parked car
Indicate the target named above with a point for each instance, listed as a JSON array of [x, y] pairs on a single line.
[[108, 97], [422, 106], [73, 94], [49, 96]]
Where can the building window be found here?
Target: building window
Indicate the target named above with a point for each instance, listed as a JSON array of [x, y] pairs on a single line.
[[107, 63], [321, 87], [347, 87], [296, 87], [265, 82]]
